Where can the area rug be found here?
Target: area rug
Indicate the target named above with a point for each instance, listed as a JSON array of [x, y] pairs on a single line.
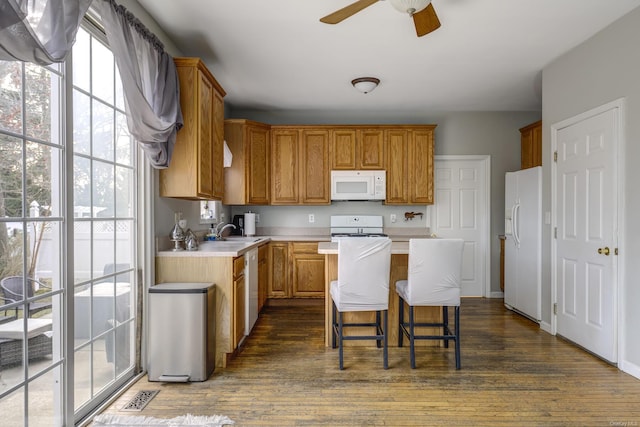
[[183, 420]]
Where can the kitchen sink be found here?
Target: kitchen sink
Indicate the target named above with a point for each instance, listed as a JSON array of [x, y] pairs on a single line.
[[243, 239]]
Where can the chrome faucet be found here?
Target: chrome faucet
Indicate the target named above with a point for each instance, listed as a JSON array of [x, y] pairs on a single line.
[[220, 229]]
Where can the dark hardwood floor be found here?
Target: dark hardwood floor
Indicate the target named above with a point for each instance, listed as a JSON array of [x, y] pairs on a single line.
[[512, 374]]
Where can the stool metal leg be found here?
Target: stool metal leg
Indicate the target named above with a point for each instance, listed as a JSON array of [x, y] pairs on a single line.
[[385, 348], [457, 333], [445, 324], [340, 340], [412, 333], [400, 321], [334, 324]]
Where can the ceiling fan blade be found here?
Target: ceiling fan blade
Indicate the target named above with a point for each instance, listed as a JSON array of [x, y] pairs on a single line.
[[345, 12], [426, 20]]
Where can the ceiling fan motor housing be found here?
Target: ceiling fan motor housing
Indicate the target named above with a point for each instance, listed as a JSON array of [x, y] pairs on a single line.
[[410, 6]]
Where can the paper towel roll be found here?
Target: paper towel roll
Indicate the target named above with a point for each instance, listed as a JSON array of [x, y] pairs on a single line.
[[249, 224]]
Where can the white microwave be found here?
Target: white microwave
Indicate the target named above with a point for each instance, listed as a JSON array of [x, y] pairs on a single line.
[[358, 185]]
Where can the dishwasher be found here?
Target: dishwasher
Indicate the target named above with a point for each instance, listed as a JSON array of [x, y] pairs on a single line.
[[182, 332]]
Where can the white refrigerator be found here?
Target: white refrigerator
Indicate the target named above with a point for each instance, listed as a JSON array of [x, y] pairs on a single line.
[[523, 245]]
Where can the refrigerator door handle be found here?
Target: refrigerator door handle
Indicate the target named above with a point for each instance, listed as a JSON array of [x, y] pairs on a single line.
[[516, 224]]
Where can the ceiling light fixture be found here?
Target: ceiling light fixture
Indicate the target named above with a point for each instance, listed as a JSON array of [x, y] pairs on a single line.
[[410, 6], [365, 84]]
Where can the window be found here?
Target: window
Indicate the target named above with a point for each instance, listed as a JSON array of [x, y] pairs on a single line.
[[67, 236]]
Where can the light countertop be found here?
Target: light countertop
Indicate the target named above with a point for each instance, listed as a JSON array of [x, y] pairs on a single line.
[[331, 248], [235, 246]]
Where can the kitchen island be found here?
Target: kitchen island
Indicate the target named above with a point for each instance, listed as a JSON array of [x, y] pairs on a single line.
[[221, 263], [399, 265]]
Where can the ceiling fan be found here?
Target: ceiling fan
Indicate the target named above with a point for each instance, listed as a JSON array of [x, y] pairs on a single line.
[[422, 11]]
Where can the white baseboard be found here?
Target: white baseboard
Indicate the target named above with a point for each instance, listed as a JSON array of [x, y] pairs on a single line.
[[496, 294], [546, 327], [630, 368]]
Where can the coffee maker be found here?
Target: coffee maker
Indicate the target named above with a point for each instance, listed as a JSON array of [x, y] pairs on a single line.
[[238, 221]]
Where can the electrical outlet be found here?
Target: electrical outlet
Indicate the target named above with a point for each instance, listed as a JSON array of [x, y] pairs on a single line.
[[257, 218], [392, 217], [312, 218]]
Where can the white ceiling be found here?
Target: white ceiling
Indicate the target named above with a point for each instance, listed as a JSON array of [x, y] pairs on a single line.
[[277, 55]]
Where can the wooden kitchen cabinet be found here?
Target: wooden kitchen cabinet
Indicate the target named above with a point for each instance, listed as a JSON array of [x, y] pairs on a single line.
[[214, 269], [397, 144], [409, 165], [217, 192], [307, 270], [296, 270], [196, 168], [263, 275], [531, 145], [300, 167], [357, 148], [315, 172], [279, 270], [239, 300], [285, 168], [247, 180]]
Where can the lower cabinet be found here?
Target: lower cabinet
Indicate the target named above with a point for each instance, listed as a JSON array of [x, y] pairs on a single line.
[[307, 270], [239, 300], [296, 270], [263, 275]]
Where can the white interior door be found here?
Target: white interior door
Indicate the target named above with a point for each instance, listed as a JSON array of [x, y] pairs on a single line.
[[461, 210], [586, 191]]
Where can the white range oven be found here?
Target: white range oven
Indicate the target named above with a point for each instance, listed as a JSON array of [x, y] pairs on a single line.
[[356, 226]]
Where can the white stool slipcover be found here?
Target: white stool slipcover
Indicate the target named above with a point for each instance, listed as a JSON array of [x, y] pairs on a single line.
[[434, 277], [364, 264]]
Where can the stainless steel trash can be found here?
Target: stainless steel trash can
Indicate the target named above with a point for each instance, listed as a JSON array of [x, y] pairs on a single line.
[[182, 332]]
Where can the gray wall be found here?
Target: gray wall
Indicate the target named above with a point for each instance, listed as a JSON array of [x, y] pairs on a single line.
[[481, 133], [600, 70]]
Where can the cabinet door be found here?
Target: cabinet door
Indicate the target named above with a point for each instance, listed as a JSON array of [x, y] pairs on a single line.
[[397, 142], [218, 146], [370, 149], [239, 300], [263, 275], [421, 167], [284, 168], [189, 175], [314, 167], [536, 142], [343, 149], [205, 136], [279, 270], [258, 170], [307, 270], [531, 145]]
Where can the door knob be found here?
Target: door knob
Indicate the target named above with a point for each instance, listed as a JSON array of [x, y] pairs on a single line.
[[604, 250]]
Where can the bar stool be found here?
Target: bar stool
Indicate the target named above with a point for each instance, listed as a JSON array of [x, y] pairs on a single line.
[[363, 285], [435, 268]]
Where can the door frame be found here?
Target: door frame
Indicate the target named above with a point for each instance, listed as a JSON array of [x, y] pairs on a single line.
[[486, 161], [620, 146]]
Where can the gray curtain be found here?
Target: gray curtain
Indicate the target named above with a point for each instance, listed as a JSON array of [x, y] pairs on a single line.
[[39, 31], [149, 79]]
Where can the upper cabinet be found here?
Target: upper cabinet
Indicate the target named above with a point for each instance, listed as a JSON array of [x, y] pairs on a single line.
[[300, 165], [531, 145], [291, 164], [196, 169], [409, 152], [357, 148], [247, 180]]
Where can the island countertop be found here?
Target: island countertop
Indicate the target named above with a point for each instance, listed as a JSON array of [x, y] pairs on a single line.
[[331, 248]]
